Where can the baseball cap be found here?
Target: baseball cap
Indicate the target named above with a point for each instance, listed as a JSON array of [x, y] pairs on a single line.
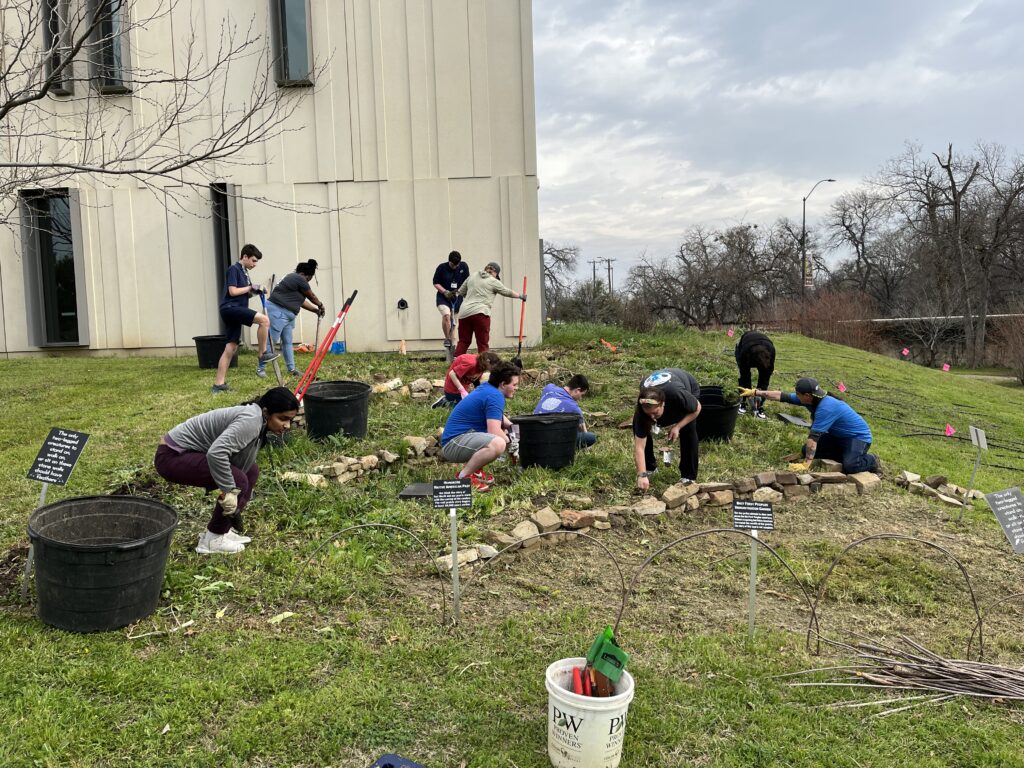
[[810, 387], [496, 267]]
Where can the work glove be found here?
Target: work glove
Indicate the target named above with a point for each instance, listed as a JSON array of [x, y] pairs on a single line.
[[256, 288], [745, 392], [799, 466], [229, 502], [450, 295], [522, 296]]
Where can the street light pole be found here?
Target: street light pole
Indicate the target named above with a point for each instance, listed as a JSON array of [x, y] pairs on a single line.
[[803, 245]]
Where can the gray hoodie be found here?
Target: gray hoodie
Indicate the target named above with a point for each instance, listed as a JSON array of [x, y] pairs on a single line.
[[228, 436]]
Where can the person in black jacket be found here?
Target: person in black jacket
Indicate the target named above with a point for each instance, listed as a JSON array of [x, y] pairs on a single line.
[[669, 399], [755, 350]]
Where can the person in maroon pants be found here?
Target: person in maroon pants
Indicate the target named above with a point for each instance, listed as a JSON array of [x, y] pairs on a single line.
[[217, 451]]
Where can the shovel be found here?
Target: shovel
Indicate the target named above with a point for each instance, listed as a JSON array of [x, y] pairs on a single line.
[[270, 345], [517, 360]]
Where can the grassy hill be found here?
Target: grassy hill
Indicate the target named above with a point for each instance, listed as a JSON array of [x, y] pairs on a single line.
[[366, 666]]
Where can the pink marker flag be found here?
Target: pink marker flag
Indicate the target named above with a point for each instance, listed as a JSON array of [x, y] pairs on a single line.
[[905, 352], [945, 367], [950, 431], [842, 387], [731, 333]]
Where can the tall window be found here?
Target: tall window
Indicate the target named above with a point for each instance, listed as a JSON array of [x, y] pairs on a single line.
[[290, 20], [110, 46], [56, 45], [51, 259]]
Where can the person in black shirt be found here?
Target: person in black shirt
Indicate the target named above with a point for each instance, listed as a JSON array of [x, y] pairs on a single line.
[[755, 350], [668, 398], [448, 276], [288, 297]]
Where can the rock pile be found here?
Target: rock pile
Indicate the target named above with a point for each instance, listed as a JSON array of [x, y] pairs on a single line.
[[937, 487]]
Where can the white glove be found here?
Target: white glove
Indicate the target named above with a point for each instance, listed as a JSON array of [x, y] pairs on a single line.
[[229, 502]]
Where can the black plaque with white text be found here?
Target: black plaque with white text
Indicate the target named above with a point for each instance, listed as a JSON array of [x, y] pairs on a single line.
[[753, 516], [58, 456], [1008, 507], [452, 494]]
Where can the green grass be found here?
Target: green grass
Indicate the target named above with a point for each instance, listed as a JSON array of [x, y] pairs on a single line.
[[364, 666]]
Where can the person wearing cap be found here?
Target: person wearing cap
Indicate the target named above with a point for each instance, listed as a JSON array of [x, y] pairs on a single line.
[[448, 278], [837, 431], [755, 350], [475, 317], [669, 399]]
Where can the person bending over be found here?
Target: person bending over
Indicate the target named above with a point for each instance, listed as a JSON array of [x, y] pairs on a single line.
[[556, 399], [755, 350], [217, 450], [668, 399], [463, 374], [837, 431], [475, 430], [475, 318]]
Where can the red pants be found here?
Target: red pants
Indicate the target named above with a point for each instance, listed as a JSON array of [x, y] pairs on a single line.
[[478, 324], [191, 468]]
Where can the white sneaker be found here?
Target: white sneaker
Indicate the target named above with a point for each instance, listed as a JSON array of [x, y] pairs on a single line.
[[234, 535], [214, 543]]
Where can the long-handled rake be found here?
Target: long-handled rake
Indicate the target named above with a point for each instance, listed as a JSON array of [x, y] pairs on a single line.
[[321, 352], [270, 343], [517, 360]]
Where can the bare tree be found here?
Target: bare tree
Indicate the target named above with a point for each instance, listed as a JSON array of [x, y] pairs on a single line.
[[194, 107], [559, 263]]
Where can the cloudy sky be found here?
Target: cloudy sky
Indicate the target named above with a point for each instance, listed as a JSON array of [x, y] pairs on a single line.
[[655, 115]]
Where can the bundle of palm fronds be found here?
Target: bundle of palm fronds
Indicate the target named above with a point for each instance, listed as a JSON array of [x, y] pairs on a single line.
[[915, 668]]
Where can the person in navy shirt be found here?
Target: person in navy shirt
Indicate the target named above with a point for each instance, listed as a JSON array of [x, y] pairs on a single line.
[[556, 399], [448, 277], [837, 431], [475, 430]]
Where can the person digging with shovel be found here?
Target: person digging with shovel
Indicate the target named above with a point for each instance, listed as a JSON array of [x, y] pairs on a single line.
[[288, 297], [217, 451], [475, 318]]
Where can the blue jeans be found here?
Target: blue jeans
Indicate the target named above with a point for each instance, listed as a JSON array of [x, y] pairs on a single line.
[[585, 439], [852, 453], [282, 323]]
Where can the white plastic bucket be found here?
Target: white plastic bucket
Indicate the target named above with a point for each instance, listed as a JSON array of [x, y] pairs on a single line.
[[585, 731]]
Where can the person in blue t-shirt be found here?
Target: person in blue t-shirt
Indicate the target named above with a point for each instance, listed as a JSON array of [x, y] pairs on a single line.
[[556, 399], [475, 430], [448, 277], [837, 431], [235, 312]]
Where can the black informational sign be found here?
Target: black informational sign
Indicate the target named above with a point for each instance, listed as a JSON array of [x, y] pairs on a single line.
[[1008, 507], [452, 494], [58, 456], [753, 516]]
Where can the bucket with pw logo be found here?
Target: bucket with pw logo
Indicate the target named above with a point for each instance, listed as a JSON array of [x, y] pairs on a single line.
[[585, 731]]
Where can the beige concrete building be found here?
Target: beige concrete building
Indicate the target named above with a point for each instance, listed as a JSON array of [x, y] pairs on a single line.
[[416, 137]]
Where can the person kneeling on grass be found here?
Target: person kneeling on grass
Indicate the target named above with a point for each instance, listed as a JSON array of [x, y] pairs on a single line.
[[217, 450], [463, 374], [556, 399], [475, 430], [837, 432]]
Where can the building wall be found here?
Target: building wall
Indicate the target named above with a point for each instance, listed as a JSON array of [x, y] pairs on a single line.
[[417, 139]]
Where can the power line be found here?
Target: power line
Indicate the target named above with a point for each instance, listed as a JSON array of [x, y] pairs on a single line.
[[608, 264]]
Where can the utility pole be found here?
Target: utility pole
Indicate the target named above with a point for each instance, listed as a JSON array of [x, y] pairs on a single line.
[[594, 263], [608, 264]]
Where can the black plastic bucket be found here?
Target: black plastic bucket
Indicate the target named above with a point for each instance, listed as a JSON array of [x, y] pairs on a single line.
[[547, 439], [717, 420], [100, 560], [210, 348], [336, 406]]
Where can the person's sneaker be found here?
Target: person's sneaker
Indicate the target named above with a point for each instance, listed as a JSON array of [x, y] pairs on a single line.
[[440, 402], [261, 373], [268, 357], [217, 543], [293, 372], [478, 485], [447, 343], [879, 467], [742, 410], [484, 477], [218, 388], [234, 535], [761, 414]]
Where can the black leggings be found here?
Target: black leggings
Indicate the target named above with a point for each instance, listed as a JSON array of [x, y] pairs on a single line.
[[689, 452]]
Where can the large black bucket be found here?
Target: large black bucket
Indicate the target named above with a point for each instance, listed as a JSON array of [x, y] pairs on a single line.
[[717, 419], [100, 560], [547, 439], [210, 348], [336, 406]]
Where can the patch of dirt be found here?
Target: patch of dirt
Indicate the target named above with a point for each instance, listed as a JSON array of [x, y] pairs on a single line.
[[12, 569]]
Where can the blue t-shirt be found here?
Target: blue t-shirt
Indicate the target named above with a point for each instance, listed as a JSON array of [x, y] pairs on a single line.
[[471, 413], [554, 399], [836, 418], [239, 278], [451, 279]]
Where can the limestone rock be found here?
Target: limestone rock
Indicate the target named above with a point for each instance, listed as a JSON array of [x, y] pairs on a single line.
[[648, 506], [369, 462], [769, 494], [309, 478], [764, 478], [674, 496], [437, 383], [546, 520], [421, 385], [796, 491], [523, 532], [599, 515], [720, 498], [975, 494], [465, 557], [934, 481], [838, 489], [922, 490], [805, 479], [500, 539], [906, 478], [949, 501], [602, 525], [702, 498], [420, 396], [575, 520], [386, 386], [577, 501], [387, 456], [712, 487], [344, 477], [867, 482], [417, 444], [786, 478], [746, 485], [830, 477], [692, 504], [486, 551], [827, 465]]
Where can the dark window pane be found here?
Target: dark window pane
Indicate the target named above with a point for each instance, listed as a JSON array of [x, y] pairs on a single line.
[[293, 42], [57, 268]]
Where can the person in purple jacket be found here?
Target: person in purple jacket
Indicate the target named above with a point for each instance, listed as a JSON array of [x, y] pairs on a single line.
[[556, 399]]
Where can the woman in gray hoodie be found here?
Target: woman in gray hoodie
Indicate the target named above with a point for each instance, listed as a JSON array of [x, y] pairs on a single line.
[[217, 450]]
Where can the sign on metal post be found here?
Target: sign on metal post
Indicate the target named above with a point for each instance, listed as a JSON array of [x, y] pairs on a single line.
[[753, 516], [453, 495], [979, 440], [1008, 507]]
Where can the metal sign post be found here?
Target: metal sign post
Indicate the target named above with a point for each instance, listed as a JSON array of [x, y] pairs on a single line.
[[753, 516], [979, 441], [452, 495]]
